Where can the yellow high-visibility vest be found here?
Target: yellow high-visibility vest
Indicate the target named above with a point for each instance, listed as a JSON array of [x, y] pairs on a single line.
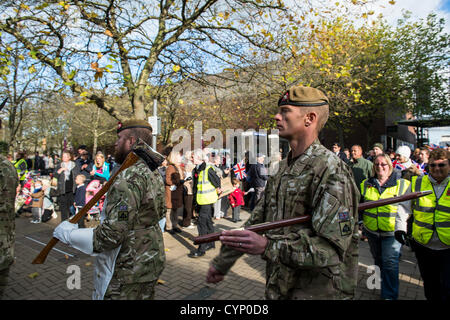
[[206, 192], [22, 173], [430, 213], [382, 218]]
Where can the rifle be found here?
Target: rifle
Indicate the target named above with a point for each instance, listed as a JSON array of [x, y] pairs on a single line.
[[130, 160], [303, 219]]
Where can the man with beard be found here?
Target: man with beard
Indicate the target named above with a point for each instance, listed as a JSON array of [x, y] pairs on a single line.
[[128, 243]]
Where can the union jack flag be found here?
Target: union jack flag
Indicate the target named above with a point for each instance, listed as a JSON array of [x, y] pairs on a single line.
[[239, 170], [433, 146], [398, 165]]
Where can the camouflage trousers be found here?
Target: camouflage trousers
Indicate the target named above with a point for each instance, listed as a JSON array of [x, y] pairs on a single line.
[[130, 291], [3, 281]]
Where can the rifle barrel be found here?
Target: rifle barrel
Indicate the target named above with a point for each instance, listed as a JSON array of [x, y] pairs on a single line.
[[303, 219]]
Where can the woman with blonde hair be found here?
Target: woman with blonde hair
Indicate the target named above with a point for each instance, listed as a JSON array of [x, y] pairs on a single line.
[[380, 223], [100, 170], [174, 191], [188, 186]]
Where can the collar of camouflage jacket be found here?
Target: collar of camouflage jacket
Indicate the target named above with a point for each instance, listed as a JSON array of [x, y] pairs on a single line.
[[306, 154]]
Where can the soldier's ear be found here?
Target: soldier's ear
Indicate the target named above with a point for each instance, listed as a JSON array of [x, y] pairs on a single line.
[[310, 117]]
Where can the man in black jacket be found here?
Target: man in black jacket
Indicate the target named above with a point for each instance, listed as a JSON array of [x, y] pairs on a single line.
[[258, 178], [336, 148], [84, 165]]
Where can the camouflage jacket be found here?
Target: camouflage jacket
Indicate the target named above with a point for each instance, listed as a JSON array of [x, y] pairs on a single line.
[[8, 186], [317, 260], [134, 206]]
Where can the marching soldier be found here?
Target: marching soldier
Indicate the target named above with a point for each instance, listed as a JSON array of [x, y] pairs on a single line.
[[128, 242], [8, 186], [318, 260]]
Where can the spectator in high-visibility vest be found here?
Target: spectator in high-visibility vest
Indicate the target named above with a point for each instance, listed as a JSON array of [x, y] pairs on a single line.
[[21, 167], [431, 226], [206, 190], [379, 223]]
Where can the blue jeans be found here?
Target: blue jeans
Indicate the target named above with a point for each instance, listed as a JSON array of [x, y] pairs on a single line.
[[386, 252]]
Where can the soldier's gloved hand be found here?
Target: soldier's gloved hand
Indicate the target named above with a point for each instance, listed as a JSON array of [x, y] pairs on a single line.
[[400, 236], [63, 230]]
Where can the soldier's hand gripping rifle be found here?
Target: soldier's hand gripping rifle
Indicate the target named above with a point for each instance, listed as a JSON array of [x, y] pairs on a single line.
[[130, 160], [303, 219]]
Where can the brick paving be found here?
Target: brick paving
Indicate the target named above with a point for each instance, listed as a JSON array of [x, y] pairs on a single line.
[[183, 278]]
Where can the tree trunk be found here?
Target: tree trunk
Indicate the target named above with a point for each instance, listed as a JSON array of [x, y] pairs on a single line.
[[95, 132]]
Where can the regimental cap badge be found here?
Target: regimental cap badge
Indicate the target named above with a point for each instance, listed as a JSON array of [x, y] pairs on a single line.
[[284, 98]]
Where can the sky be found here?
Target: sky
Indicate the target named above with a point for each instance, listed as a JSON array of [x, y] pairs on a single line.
[[420, 9]]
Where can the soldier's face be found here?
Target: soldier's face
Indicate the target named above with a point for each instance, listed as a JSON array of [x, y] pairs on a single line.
[[122, 146], [289, 121]]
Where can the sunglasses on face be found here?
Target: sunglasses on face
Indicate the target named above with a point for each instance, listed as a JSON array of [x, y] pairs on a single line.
[[380, 164], [440, 165]]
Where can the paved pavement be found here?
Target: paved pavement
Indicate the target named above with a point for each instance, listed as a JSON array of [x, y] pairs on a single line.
[[182, 279]]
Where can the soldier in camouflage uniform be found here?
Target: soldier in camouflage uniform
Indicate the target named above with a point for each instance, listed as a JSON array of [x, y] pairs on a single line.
[[128, 242], [317, 260], [8, 186]]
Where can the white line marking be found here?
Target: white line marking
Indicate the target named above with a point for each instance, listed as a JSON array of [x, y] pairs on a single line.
[[63, 252]]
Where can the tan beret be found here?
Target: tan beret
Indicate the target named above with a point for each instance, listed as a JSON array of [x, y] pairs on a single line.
[[303, 97], [133, 123]]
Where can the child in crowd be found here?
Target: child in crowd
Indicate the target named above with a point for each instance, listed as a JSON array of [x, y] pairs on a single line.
[[80, 193], [236, 199], [37, 201]]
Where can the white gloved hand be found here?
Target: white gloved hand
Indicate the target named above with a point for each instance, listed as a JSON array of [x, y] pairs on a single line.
[[63, 230], [251, 190], [82, 239]]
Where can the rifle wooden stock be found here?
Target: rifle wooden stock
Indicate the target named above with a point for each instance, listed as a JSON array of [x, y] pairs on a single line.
[[130, 160], [303, 219]]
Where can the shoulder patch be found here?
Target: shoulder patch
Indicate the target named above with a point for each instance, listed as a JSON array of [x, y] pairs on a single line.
[[343, 216], [122, 213], [345, 228]]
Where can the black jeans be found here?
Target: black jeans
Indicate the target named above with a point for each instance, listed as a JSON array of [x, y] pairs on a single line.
[[65, 201], [205, 224], [434, 267]]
